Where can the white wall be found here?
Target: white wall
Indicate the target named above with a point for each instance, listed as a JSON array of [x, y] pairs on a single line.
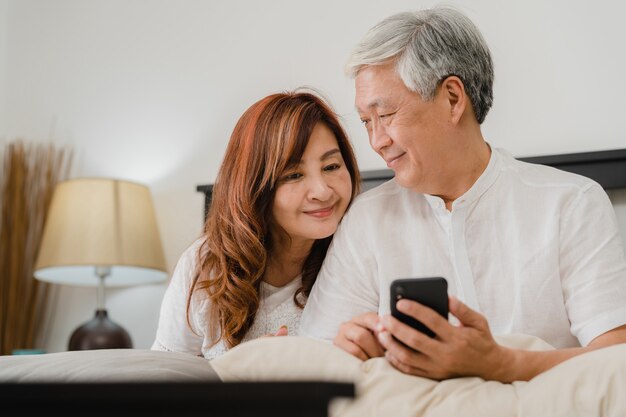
[[4, 6], [618, 197], [149, 90]]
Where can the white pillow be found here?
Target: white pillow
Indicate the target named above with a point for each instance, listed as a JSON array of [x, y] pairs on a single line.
[[115, 365], [381, 389], [287, 358], [299, 358]]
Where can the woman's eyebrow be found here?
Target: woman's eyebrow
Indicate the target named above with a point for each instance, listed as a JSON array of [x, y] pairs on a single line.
[[324, 156], [328, 154]]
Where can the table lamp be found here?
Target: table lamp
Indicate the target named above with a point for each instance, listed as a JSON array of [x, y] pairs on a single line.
[[100, 232]]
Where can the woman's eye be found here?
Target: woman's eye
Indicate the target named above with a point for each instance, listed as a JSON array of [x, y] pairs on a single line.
[[292, 177], [332, 167]]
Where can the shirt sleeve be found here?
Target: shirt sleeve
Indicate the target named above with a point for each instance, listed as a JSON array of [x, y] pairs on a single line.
[[173, 332], [346, 285], [593, 266]]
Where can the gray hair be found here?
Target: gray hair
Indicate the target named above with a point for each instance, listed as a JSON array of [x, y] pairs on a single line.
[[428, 46]]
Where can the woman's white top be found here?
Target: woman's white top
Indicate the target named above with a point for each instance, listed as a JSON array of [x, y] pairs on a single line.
[[277, 308]]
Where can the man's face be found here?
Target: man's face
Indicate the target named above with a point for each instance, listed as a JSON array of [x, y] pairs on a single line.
[[410, 134]]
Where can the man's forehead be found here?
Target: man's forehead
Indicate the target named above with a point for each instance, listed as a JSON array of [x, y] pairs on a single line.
[[373, 86]]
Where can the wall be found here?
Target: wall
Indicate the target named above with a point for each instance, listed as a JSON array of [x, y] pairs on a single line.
[[618, 198], [150, 90], [4, 6]]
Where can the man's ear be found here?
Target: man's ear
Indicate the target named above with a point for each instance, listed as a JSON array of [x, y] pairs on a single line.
[[453, 91]]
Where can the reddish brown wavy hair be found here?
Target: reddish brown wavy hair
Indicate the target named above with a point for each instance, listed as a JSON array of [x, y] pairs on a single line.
[[270, 136]]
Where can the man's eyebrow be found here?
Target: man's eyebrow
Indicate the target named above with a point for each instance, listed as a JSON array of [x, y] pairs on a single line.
[[374, 104]]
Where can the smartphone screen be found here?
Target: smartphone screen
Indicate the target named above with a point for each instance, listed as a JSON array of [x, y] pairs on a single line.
[[431, 292]]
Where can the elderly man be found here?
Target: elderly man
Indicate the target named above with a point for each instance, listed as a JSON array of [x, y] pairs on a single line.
[[527, 248]]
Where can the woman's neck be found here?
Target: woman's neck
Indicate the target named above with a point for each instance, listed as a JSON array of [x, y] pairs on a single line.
[[286, 262]]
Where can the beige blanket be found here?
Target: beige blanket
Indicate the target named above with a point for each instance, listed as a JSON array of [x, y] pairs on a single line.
[[593, 384]]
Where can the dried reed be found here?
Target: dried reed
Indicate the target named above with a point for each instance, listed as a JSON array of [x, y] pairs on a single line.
[[29, 175]]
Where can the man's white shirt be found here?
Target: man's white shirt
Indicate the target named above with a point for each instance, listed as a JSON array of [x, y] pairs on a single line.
[[535, 249]]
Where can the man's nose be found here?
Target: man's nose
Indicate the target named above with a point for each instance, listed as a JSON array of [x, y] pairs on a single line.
[[379, 138]]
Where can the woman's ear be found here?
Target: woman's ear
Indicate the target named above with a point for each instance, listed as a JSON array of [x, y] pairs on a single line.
[[454, 93]]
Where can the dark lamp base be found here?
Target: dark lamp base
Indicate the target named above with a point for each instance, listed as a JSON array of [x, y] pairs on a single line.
[[100, 333]]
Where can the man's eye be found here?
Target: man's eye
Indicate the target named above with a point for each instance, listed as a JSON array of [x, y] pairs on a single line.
[[365, 122], [292, 177], [332, 167]]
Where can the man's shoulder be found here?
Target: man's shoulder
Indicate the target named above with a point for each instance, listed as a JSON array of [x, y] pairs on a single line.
[[386, 207], [381, 194], [543, 177]]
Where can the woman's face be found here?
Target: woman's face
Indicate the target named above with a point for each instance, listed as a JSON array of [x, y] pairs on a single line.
[[312, 196]]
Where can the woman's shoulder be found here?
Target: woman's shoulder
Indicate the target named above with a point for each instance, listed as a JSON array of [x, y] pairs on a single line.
[[190, 256], [192, 252], [185, 269]]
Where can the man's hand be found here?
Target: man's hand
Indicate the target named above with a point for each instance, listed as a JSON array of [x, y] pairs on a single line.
[[359, 337], [465, 350], [468, 349]]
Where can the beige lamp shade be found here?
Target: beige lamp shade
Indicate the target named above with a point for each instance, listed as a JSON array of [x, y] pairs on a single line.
[[101, 223]]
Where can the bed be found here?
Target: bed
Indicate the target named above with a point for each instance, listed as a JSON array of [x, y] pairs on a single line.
[[296, 376], [304, 377], [135, 382]]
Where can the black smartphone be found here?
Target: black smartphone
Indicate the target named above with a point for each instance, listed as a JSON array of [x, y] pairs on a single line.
[[431, 292]]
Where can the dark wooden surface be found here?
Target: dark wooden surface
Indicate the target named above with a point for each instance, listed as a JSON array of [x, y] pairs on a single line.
[[607, 168], [171, 399]]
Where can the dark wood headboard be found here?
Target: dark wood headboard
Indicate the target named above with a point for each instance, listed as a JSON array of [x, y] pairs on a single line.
[[607, 168], [202, 398]]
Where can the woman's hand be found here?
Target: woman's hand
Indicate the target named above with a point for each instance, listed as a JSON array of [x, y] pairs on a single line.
[[282, 331], [359, 337]]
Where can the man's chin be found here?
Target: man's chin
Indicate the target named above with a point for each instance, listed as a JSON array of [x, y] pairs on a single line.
[[405, 181]]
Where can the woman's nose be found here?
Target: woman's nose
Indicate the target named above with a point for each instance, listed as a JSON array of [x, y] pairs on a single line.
[[319, 189]]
